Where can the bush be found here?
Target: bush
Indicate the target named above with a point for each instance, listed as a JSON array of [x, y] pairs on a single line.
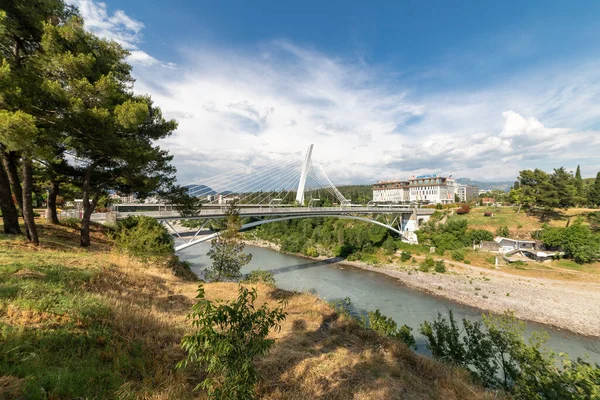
[[488, 214], [427, 265], [386, 326], [577, 241], [480, 235], [502, 231], [440, 266], [389, 246], [464, 209], [228, 337], [458, 255], [143, 236], [497, 356], [260, 275], [405, 256]]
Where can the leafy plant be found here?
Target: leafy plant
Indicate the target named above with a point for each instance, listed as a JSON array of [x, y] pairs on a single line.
[[405, 256], [458, 255], [227, 250], [386, 326], [440, 266], [260, 275], [502, 231], [227, 339], [143, 236]]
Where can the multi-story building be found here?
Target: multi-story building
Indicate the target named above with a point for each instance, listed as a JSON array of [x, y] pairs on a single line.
[[466, 193], [432, 189], [391, 191]]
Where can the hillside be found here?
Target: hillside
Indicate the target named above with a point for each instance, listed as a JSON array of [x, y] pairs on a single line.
[[96, 324], [484, 185]]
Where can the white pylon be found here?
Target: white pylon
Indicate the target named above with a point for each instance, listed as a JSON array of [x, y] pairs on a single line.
[[303, 175]]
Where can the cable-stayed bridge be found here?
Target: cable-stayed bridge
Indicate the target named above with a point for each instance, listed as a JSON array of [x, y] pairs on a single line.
[[291, 187]]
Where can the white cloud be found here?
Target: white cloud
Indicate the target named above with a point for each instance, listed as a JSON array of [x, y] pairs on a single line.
[[245, 107], [117, 26]]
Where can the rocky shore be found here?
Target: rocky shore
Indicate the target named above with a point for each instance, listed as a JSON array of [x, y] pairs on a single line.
[[567, 305]]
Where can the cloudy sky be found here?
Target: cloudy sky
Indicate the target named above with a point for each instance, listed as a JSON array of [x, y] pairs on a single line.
[[383, 89]]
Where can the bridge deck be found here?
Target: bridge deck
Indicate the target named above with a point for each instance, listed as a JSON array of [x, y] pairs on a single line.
[[281, 211]]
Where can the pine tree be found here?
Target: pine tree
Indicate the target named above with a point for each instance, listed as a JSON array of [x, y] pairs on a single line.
[[580, 195], [594, 194]]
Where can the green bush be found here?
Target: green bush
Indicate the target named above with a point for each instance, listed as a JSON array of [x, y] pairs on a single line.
[[227, 339], [389, 246], [260, 275], [577, 241], [143, 236], [427, 264], [502, 231], [405, 256], [497, 356], [386, 326], [440, 266], [481, 235], [458, 255]]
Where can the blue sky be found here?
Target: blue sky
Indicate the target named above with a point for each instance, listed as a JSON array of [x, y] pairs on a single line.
[[383, 89]]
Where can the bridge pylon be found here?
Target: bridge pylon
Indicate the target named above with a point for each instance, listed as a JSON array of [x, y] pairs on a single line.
[[303, 176]]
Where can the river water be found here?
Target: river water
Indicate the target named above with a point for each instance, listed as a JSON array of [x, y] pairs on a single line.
[[371, 290]]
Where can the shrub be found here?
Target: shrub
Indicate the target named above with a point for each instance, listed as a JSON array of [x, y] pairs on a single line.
[[405, 256], [260, 275], [439, 206], [464, 209], [143, 236], [458, 255], [386, 326], [502, 231], [228, 337], [440, 266], [496, 355], [389, 246], [311, 252], [427, 264], [488, 214], [480, 235], [577, 241]]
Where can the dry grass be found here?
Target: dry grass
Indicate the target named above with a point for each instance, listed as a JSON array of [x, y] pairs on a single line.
[[318, 354]]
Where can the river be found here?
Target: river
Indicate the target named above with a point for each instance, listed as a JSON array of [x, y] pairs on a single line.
[[371, 290]]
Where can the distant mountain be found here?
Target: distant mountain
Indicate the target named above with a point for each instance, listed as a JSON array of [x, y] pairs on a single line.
[[200, 190], [502, 185]]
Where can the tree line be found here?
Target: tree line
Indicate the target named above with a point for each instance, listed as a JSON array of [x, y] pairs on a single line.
[[68, 111], [560, 188]]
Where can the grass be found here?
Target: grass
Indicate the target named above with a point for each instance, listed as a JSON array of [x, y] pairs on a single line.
[[522, 224], [96, 324]]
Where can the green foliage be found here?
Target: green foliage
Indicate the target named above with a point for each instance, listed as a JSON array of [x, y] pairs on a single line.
[[143, 237], [480, 235], [386, 326], [440, 266], [260, 275], [227, 249], [389, 246], [594, 192], [458, 255], [497, 356], [427, 264], [227, 339], [502, 231], [577, 241], [405, 256]]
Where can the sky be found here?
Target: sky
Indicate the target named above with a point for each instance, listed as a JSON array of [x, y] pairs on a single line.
[[384, 90]]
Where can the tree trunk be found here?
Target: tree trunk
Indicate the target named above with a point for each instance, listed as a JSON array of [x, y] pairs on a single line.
[[27, 201], [10, 164], [88, 208], [10, 216], [51, 214]]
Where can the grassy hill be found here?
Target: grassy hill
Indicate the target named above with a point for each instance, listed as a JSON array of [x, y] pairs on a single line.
[[97, 324]]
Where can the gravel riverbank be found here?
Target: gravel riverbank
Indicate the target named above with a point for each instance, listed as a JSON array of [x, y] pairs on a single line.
[[568, 305]]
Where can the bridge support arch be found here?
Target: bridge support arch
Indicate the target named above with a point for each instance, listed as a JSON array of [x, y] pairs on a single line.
[[267, 221]]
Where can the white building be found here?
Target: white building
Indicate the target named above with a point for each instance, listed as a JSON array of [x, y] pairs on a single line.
[[432, 189], [391, 192]]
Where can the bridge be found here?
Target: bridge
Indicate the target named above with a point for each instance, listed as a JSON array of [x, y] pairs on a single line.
[[284, 189]]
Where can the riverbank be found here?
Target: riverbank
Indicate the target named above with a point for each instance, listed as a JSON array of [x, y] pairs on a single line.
[[93, 323], [572, 306]]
